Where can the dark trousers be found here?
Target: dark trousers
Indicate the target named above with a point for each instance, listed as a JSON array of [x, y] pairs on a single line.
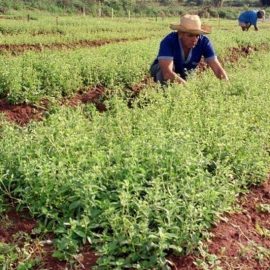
[[157, 75]]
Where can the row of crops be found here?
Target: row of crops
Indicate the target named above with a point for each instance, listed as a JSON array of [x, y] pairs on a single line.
[[31, 76], [136, 184], [52, 74], [48, 30]]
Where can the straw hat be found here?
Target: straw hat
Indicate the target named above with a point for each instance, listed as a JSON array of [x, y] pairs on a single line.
[[191, 24]]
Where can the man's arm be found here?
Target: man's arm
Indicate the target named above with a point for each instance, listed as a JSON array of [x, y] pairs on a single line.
[[218, 70], [166, 66]]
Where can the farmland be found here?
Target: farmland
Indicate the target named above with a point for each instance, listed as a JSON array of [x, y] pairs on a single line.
[[150, 175]]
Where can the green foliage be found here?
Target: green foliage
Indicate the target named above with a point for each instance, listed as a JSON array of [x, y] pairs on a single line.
[[13, 255], [134, 183], [10, 77], [139, 183], [34, 76]]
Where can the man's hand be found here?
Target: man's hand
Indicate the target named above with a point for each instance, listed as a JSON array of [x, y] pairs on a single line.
[[219, 71], [168, 73]]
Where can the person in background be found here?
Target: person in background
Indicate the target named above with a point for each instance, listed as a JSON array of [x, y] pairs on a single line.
[[181, 51], [250, 17]]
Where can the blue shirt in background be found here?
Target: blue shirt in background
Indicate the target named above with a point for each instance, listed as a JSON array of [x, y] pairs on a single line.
[[249, 16], [171, 49]]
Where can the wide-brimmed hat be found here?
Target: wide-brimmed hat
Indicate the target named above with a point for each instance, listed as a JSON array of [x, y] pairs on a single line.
[[191, 24]]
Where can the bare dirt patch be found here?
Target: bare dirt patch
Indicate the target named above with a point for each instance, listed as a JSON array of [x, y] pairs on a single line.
[[21, 114], [93, 95]]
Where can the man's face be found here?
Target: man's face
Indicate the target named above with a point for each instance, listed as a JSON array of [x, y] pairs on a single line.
[[260, 15], [189, 40]]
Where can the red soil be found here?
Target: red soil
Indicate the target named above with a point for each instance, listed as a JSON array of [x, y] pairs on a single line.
[[21, 114], [240, 240], [16, 49]]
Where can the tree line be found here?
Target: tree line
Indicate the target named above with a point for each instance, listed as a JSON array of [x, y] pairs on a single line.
[[122, 7]]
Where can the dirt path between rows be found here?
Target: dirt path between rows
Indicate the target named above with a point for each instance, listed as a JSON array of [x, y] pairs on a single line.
[[17, 49], [240, 240]]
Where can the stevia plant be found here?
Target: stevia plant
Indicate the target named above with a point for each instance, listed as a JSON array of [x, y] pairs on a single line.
[[139, 184]]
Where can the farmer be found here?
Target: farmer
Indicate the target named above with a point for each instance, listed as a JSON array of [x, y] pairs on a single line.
[[180, 52], [250, 17]]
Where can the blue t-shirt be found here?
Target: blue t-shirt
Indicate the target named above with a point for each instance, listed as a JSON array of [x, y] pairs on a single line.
[[249, 16], [171, 49]]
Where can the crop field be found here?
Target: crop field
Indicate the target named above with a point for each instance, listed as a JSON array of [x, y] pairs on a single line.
[[136, 171]]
